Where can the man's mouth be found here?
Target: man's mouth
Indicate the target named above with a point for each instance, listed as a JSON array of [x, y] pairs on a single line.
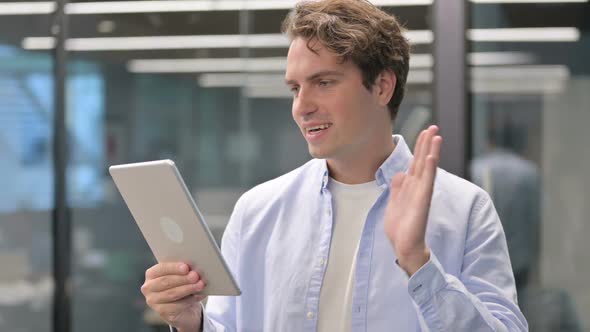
[[318, 128]]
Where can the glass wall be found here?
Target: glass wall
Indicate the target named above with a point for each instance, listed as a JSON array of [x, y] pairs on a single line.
[[530, 107], [204, 87], [26, 176]]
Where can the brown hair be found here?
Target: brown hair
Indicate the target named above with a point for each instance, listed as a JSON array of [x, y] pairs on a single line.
[[355, 30]]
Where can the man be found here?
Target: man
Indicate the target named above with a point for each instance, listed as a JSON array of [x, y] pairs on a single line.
[[514, 184], [363, 237]]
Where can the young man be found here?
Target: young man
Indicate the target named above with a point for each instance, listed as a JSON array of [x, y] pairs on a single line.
[[365, 237]]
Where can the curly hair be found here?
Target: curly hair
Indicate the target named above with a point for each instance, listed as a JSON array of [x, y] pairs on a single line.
[[355, 30]]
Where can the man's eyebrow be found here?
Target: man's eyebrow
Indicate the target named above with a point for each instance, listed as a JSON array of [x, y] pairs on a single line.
[[317, 75]]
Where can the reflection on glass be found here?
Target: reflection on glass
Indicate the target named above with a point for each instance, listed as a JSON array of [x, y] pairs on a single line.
[[26, 181], [513, 184], [529, 85]]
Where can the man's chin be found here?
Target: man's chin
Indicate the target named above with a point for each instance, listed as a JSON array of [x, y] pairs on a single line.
[[317, 153]]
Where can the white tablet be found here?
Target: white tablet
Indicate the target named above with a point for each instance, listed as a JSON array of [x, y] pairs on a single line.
[[171, 223]]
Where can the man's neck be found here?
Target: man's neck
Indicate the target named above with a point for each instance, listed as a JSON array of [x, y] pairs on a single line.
[[361, 167]]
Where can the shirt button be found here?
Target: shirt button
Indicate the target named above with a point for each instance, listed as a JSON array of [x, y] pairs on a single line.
[[322, 261], [310, 315], [328, 211]]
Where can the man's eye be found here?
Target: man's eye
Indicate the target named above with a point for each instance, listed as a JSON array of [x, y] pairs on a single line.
[[324, 83], [294, 89]]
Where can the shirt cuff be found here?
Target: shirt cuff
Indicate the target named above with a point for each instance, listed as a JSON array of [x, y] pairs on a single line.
[[208, 325], [427, 281]]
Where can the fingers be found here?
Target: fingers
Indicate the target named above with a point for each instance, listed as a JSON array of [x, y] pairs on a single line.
[[435, 148], [427, 142], [432, 159], [422, 150], [417, 149], [174, 294], [169, 281], [162, 269]]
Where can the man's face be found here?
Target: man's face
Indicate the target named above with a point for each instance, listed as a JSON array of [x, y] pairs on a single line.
[[335, 112]]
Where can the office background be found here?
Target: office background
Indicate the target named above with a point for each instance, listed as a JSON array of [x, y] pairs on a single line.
[[201, 82]]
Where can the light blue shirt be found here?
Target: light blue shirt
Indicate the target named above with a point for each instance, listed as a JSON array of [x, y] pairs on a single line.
[[278, 239]]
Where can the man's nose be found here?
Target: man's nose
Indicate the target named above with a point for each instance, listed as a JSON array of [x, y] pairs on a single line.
[[304, 103]]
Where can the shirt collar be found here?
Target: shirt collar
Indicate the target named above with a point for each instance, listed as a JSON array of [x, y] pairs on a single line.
[[398, 161]]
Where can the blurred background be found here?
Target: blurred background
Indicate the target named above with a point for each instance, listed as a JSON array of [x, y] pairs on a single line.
[[201, 82]]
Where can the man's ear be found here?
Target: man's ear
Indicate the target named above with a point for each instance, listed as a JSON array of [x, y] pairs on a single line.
[[385, 86]]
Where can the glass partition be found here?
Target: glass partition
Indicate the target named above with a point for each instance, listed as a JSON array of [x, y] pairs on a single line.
[[26, 174], [529, 83]]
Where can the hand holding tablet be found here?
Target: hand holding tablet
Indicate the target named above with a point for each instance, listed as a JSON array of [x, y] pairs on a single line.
[[169, 290]]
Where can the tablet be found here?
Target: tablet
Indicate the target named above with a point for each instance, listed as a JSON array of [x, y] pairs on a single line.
[[171, 223]]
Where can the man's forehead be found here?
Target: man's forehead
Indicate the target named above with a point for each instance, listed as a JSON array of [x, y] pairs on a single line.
[[311, 45]]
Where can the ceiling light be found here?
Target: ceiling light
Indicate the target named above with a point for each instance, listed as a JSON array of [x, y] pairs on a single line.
[[161, 42], [162, 6], [255, 85], [272, 40], [267, 92], [121, 7], [530, 73], [419, 36], [27, 8], [499, 58], [524, 35], [421, 60], [421, 76], [217, 80], [567, 34], [517, 87], [281, 41], [207, 65], [537, 79], [159, 6]]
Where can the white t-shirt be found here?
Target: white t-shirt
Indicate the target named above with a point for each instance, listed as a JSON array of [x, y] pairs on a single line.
[[351, 204]]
